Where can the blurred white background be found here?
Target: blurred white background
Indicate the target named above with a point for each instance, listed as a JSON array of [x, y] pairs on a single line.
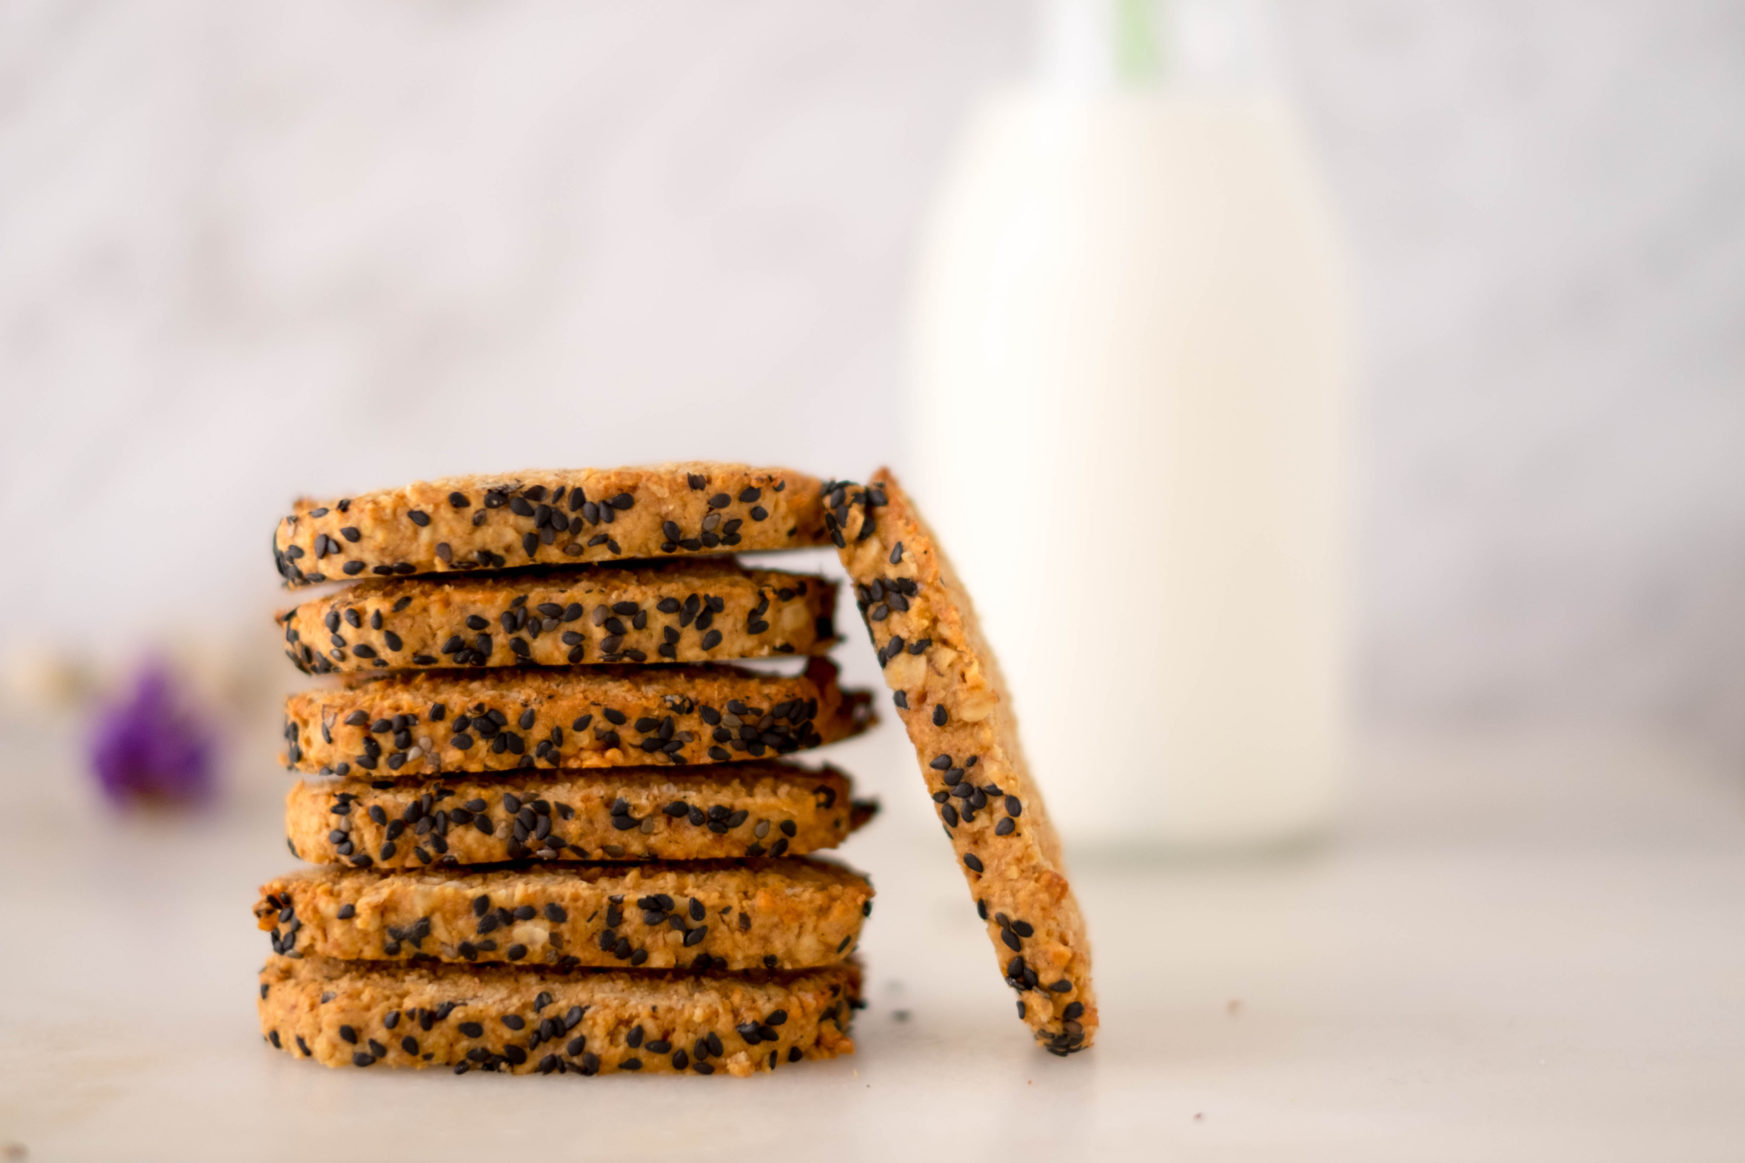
[[249, 250]]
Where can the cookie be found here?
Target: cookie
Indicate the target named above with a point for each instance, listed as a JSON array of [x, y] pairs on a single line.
[[948, 690], [754, 915], [680, 611], [637, 813], [541, 1021], [419, 722], [548, 517]]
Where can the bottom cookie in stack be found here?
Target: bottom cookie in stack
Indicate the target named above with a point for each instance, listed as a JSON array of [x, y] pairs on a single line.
[[543, 1021]]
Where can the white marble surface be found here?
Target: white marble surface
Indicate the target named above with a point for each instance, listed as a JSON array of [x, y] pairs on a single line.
[[1521, 949]]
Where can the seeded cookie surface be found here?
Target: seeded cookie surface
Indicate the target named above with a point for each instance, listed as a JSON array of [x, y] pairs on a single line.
[[948, 689], [755, 915], [681, 611], [408, 723], [711, 813], [533, 1021], [548, 517]]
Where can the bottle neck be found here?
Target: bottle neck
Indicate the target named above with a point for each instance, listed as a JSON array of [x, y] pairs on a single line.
[[1096, 46]]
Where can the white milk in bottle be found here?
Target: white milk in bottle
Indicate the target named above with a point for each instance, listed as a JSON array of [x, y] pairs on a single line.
[[1129, 408]]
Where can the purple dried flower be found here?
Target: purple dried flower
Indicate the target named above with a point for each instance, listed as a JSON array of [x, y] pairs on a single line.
[[153, 746]]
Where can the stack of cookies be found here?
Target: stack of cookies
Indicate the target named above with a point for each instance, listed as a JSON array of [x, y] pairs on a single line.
[[554, 829]]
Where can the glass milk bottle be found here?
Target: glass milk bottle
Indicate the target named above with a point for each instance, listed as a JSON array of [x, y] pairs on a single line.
[[1129, 409]]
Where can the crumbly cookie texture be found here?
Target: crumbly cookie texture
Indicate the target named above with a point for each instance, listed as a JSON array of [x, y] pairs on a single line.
[[418, 722], [680, 611], [541, 1021], [738, 917], [636, 813], [949, 692], [548, 517]]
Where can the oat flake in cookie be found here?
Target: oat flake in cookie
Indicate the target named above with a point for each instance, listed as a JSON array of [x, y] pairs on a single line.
[[548, 517], [947, 687]]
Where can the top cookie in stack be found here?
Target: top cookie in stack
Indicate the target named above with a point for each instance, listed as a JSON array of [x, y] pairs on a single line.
[[534, 709], [480, 523]]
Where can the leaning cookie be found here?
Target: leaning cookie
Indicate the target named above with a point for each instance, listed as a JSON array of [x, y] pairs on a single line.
[[714, 813], [948, 688], [548, 517], [741, 916], [534, 1021], [680, 611], [408, 723]]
